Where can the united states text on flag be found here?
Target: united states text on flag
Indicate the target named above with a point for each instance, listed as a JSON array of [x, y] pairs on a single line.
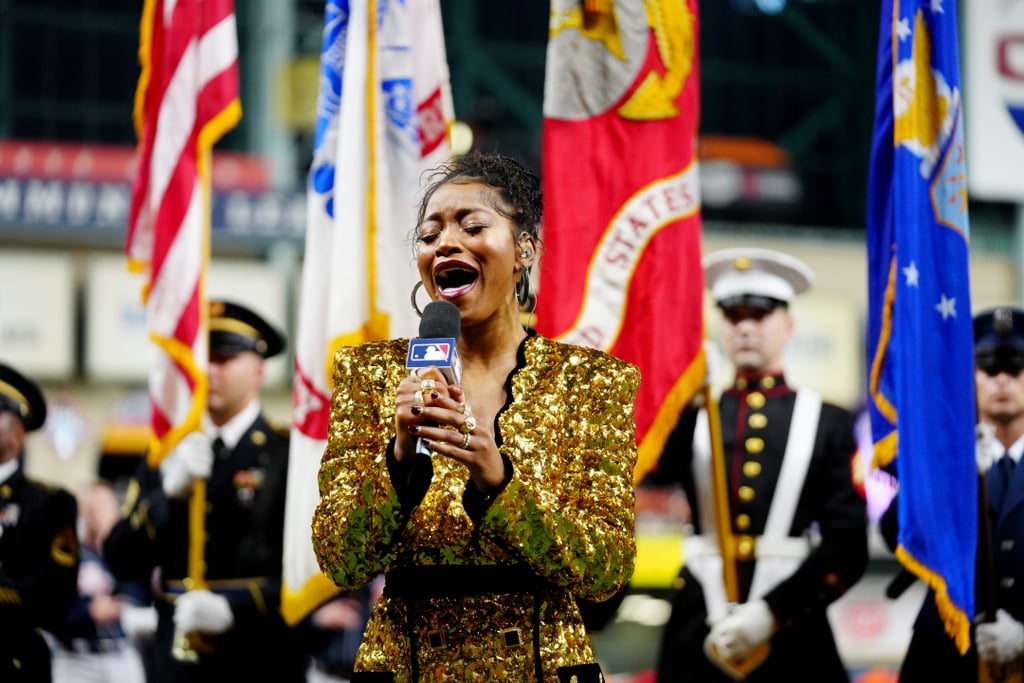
[[383, 114], [187, 98], [622, 207], [920, 339]]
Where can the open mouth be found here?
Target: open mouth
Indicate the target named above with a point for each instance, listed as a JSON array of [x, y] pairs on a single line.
[[455, 279]]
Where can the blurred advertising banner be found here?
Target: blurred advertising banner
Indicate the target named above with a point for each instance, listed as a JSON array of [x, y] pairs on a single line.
[[116, 347], [37, 307], [117, 164], [87, 188], [993, 41]]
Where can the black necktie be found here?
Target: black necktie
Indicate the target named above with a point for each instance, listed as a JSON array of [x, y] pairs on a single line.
[[220, 449], [1004, 466]]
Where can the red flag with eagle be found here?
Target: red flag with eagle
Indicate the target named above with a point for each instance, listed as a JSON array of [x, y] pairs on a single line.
[[186, 99], [622, 206]]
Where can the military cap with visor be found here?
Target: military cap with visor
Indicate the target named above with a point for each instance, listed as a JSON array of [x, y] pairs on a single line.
[[235, 329], [759, 278], [999, 340], [21, 396]]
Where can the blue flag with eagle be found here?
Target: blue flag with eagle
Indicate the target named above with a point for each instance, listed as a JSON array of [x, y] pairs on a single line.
[[920, 344]]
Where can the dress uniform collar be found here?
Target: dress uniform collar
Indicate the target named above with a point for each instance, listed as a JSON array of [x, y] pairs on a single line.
[[1016, 449], [8, 469], [234, 429], [758, 381]]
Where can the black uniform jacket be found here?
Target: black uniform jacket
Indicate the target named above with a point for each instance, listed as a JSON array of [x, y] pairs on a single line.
[[38, 572], [755, 417], [932, 654], [244, 526]]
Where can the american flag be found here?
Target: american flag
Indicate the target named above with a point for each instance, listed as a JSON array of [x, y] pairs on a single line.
[[186, 99]]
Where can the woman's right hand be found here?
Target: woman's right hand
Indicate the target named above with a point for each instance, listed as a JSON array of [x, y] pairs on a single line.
[[415, 392]]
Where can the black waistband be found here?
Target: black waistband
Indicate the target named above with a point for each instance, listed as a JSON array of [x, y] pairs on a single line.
[[444, 581]]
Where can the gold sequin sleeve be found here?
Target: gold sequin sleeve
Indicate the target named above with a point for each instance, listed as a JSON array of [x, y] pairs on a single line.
[[568, 512], [359, 515]]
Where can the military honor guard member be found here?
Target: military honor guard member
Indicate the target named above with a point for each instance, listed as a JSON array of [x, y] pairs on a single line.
[[797, 522], [233, 625], [92, 645], [38, 544], [997, 643]]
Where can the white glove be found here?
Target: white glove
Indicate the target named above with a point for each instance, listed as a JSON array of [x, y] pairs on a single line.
[[986, 448], [713, 362], [738, 634], [1000, 641], [138, 622], [190, 460], [203, 611]]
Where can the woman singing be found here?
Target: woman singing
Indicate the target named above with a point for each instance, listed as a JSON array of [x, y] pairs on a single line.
[[492, 506]]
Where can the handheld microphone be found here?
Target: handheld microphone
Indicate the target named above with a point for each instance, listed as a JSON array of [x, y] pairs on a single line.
[[437, 345]]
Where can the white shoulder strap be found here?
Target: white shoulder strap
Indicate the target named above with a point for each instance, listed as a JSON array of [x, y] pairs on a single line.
[[803, 429], [701, 465]]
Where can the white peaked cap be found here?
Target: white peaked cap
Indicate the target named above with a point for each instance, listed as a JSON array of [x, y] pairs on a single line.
[[743, 271]]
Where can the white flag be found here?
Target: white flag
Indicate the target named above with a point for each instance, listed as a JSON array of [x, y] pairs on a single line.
[[383, 114]]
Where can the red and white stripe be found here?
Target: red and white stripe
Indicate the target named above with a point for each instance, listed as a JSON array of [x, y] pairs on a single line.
[[187, 98]]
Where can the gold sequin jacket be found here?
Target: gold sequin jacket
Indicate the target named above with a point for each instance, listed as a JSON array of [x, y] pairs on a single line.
[[478, 588]]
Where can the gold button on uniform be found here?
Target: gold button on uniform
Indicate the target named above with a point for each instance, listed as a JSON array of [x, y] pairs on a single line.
[[742, 522], [754, 445], [768, 382], [757, 421], [744, 548], [755, 400], [751, 468], [741, 383], [746, 494], [259, 438]]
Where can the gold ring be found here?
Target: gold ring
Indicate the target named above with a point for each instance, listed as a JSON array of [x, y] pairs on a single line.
[[463, 407], [415, 372], [465, 442], [469, 425], [419, 398], [427, 385]]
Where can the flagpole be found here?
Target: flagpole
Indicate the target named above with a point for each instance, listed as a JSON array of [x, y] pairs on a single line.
[[720, 498], [183, 648], [723, 524], [988, 672]]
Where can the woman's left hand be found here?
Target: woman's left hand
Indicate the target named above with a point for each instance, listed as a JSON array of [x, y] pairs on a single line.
[[460, 436]]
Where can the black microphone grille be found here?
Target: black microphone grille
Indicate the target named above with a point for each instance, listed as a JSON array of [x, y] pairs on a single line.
[[440, 319]]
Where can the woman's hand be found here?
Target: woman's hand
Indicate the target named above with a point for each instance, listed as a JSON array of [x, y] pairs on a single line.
[[440, 415], [422, 385]]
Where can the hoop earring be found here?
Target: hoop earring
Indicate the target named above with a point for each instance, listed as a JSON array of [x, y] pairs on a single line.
[[412, 298], [523, 288]]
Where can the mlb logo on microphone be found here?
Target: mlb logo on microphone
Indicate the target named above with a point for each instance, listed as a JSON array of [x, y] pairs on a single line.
[[426, 352]]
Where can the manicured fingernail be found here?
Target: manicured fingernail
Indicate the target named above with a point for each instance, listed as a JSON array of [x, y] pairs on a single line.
[[434, 394], [414, 429], [416, 410]]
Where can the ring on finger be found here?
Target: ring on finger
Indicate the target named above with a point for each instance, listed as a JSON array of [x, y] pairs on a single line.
[[465, 441], [427, 385], [469, 425], [418, 400]]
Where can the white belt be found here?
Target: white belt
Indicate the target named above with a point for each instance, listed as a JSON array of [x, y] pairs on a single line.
[[791, 547]]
